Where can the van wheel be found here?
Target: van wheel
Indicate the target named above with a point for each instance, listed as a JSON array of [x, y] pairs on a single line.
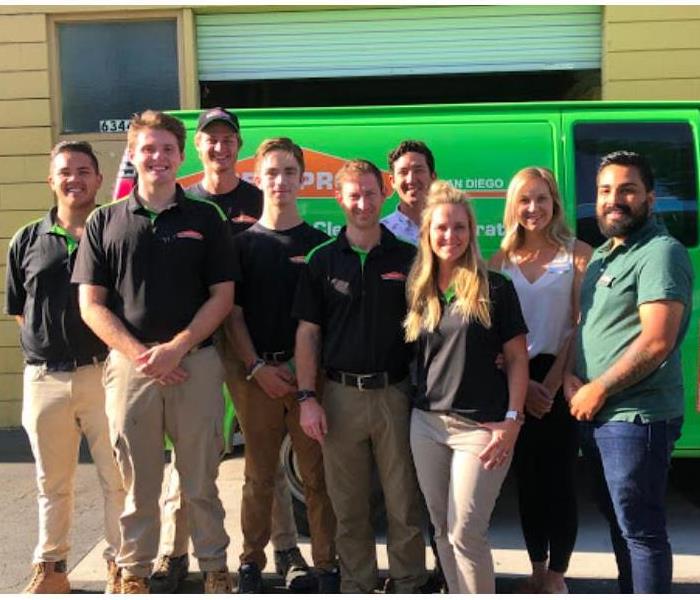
[[290, 466], [296, 487]]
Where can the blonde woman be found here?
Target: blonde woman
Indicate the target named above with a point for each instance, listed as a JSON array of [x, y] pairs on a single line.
[[468, 412], [546, 264]]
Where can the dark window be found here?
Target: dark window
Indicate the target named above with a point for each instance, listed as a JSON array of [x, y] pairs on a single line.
[[414, 89], [110, 70], [669, 147]]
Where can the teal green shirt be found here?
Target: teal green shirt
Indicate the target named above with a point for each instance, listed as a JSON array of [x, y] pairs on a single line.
[[649, 266]]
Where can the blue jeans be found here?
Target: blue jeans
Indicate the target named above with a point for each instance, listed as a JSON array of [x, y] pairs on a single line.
[[629, 464]]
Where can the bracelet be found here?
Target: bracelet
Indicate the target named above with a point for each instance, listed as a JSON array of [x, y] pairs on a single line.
[[258, 364]]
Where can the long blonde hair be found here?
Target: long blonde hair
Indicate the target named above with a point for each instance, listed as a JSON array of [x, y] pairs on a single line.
[[557, 232], [469, 277]]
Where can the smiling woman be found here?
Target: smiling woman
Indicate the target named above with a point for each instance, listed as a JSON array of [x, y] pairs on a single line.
[[468, 413]]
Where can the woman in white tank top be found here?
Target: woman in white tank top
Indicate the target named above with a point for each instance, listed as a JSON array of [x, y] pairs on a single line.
[[546, 264]]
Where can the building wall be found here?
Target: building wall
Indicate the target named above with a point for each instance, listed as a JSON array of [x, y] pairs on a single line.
[[651, 53], [25, 137]]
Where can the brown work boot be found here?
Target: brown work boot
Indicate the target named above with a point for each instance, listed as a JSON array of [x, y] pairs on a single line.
[[49, 578], [114, 578], [132, 584], [217, 582]]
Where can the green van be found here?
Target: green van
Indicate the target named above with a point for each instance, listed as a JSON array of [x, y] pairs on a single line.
[[478, 147]]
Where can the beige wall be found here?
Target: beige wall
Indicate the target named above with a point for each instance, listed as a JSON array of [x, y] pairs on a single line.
[[651, 53], [25, 137]]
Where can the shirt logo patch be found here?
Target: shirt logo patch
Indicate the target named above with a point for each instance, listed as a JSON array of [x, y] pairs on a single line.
[[393, 276], [297, 259], [189, 234], [243, 218], [341, 286]]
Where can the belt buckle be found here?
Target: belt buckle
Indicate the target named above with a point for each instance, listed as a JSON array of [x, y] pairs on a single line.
[[360, 382], [278, 356]]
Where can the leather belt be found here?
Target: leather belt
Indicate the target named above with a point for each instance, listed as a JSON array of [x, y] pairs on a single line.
[[68, 365], [277, 357], [364, 381]]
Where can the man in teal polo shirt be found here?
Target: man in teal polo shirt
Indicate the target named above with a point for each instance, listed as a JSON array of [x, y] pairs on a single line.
[[627, 386]]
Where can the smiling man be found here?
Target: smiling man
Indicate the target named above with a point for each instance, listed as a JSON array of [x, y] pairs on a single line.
[[627, 389], [156, 276], [412, 168], [351, 302], [63, 393]]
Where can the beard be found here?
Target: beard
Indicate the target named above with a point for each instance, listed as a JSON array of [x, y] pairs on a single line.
[[632, 221]]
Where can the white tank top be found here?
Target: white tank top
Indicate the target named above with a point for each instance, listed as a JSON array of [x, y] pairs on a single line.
[[546, 303]]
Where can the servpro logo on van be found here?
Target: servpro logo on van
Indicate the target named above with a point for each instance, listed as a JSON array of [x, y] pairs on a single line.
[[317, 181]]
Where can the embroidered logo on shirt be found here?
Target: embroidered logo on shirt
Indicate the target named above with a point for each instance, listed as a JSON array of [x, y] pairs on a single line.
[[393, 276], [243, 218], [189, 234], [341, 286], [297, 259]]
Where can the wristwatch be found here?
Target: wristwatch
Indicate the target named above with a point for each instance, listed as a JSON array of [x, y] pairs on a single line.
[[514, 415], [303, 395]]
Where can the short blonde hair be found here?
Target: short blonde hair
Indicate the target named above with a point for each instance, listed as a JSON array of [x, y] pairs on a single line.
[[155, 119], [355, 168]]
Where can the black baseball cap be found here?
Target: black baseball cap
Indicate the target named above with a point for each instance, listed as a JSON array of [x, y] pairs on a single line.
[[218, 114]]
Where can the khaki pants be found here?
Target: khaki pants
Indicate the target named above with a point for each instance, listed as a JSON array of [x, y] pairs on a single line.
[[460, 495], [175, 531], [265, 421], [57, 407], [140, 412], [367, 426]]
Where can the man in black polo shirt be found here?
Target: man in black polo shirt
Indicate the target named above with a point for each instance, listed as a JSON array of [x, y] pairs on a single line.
[[156, 273], [351, 303], [262, 330], [63, 393], [218, 141]]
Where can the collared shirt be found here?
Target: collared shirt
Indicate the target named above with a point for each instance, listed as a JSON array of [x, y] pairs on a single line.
[[650, 266], [157, 267], [242, 205], [401, 226], [359, 301], [271, 261], [456, 363], [38, 288]]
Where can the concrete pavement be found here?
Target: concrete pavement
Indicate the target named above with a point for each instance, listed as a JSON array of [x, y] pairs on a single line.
[[592, 567]]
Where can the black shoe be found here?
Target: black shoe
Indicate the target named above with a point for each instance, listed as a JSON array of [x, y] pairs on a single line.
[[292, 566], [329, 581], [168, 573], [249, 579]]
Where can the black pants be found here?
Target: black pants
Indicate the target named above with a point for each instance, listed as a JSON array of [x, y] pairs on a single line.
[[545, 458]]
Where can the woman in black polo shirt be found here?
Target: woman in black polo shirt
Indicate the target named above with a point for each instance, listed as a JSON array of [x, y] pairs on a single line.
[[468, 410]]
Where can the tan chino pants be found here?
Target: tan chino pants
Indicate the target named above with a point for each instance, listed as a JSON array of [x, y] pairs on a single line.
[[141, 412], [57, 408]]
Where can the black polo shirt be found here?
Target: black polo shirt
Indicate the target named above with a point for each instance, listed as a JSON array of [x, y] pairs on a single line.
[[157, 268], [359, 302], [38, 287], [456, 363], [271, 262], [242, 206]]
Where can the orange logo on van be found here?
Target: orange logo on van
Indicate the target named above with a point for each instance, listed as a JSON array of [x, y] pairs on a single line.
[[318, 176]]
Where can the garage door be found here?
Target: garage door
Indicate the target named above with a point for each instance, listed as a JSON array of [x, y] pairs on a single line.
[[397, 41]]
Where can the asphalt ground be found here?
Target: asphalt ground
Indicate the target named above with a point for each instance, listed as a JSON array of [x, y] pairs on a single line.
[[592, 568]]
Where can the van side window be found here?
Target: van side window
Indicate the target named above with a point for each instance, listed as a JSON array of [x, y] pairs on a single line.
[[669, 147]]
